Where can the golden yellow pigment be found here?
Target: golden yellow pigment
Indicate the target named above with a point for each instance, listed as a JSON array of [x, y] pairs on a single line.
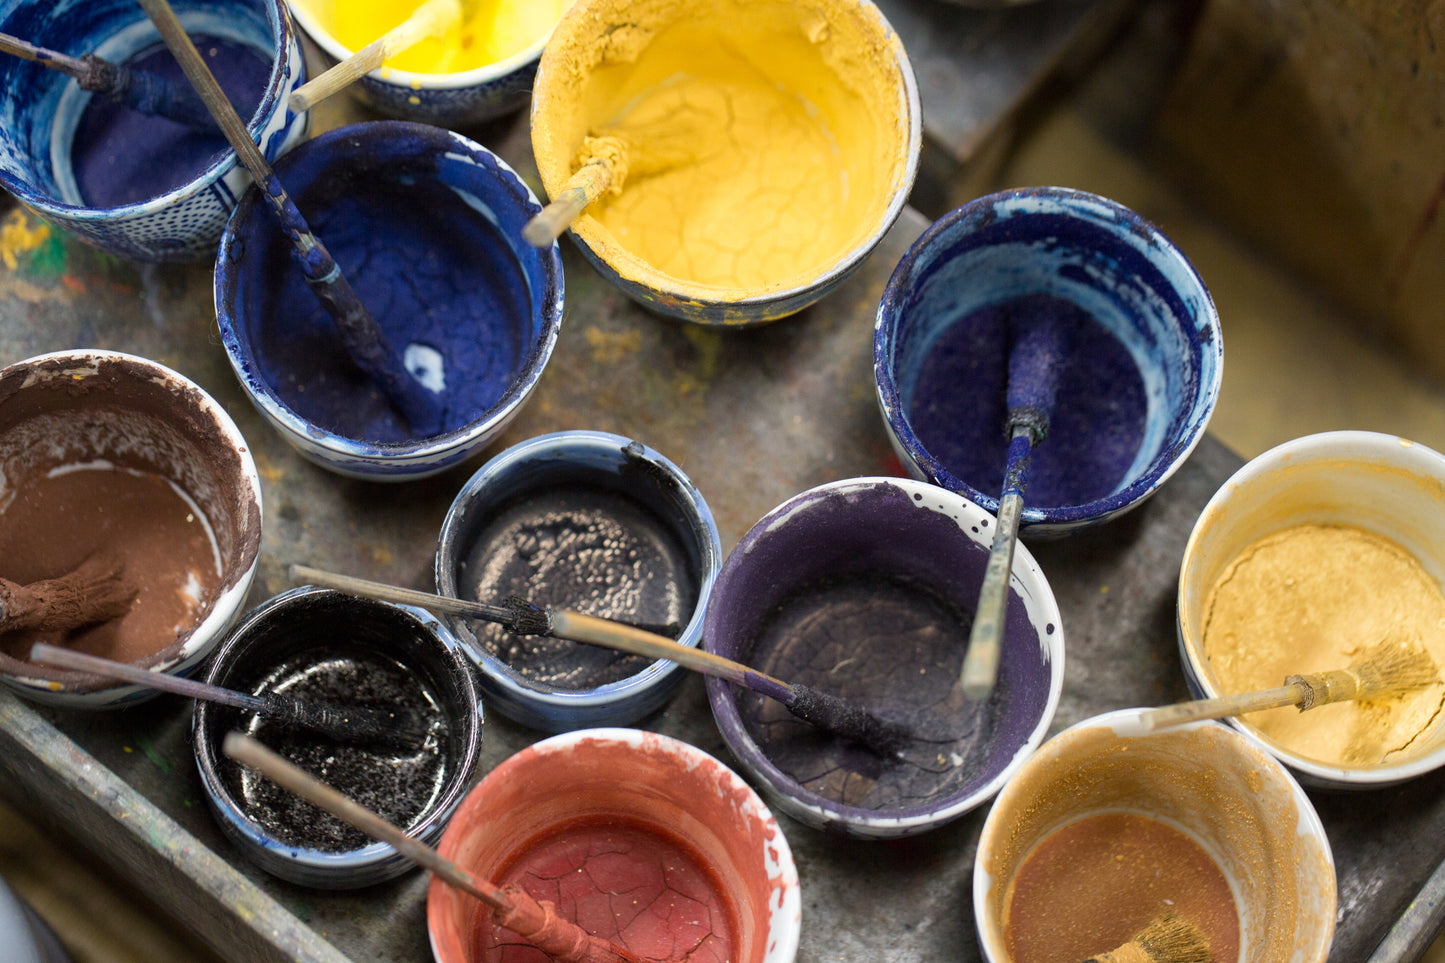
[[1316, 597], [762, 141], [491, 30]]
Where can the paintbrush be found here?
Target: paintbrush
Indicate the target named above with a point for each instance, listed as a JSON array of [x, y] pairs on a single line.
[[359, 331], [432, 19], [95, 591], [1035, 360], [346, 724], [825, 711], [1383, 670], [139, 90], [512, 908], [1168, 939]]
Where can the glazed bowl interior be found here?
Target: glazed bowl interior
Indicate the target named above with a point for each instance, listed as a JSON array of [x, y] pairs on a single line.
[[1205, 780]]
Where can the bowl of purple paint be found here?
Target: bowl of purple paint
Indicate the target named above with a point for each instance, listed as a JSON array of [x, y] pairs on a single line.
[[864, 588], [1127, 386], [427, 227]]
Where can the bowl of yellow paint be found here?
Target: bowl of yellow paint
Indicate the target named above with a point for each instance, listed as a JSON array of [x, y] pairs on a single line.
[[757, 150], [1323, 553], [481, 67]]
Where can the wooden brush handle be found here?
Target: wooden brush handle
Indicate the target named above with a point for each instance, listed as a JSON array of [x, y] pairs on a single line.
[[581, 189], [43, 654], [985, 639], [1235, 705]]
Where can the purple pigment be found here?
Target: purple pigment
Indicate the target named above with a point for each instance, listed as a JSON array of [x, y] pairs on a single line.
[[430, 270], [121, 156], [959, 405]]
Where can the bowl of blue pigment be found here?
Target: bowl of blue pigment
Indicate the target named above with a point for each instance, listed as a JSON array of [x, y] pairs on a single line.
[[427, 227], [328, 647], [141, 184], [1059, 301], [864, 589], [589, 522]]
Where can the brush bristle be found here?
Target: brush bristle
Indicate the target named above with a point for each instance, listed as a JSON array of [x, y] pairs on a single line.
[[848, 720], [1172, 939], [526, 618], [1394, 668]]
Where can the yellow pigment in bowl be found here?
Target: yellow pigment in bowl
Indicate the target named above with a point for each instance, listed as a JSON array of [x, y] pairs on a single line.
[[491, 30], [1316, 597], [768, 138]]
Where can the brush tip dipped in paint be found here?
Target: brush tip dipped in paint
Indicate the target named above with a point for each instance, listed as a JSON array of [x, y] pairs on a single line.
[[1169, 939], [849, 720]]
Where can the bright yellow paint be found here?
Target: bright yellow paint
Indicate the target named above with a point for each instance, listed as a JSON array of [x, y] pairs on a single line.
[[18, 236]]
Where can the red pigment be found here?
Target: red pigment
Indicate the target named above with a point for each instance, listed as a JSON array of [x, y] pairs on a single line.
[[627, 881], [1091, 886], [56, 520]]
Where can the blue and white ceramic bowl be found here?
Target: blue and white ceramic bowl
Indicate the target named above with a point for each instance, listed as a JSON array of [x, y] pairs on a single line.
[[903, 533], [582, 460], [286, 627], [387, 164], [40, 110], [1083, 249]]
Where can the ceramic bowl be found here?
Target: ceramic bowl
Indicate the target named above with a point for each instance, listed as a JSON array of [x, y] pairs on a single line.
[[69, 410], [509, 512], [289, 637], [915, 554], [42, 117], [1122, 423], [836, 63], [1381, 483], [1204, 780], [427, 226], [654, 785], [451, 100]]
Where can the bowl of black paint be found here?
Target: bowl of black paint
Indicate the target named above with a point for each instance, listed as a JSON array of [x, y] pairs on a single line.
[[135, 185], [427, 227], [865, 588], [1142, 368], [594, 523], [324, 645]]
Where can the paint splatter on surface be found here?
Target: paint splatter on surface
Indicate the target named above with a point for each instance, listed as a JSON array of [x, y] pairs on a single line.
[[19, 235]]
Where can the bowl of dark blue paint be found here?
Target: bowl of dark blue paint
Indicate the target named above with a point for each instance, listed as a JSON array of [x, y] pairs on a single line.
[[865, 588], [1142, 356], [137, 185], [427, 226], [590, 522]]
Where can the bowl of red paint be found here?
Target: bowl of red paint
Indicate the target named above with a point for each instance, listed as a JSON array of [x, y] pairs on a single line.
[[635, 836], [1103, 832], [426, 225], [1140, 347], [108, 453], [865, 588]]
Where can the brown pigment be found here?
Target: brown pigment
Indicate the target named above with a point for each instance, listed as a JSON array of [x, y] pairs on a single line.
[[58, 518], [1090, 886]]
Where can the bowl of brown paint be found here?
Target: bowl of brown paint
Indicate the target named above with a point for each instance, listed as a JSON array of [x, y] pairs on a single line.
[[636, 837], [766, 147], [1101, 833], [865, 588], [330, 647], [590, 522], [1323, 552], [108, 453]]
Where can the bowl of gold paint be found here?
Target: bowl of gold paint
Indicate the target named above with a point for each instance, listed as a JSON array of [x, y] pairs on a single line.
[[1327, 552], [478, 66], [114, 459], [755, 152], [1102, 833]]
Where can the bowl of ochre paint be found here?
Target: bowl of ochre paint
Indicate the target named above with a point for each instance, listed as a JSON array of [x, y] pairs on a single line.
[[136, 185], [111, 453], [865, 588], [1141, 367], [1101, 833], [589, 522], [427, 227], [326, 646], [480, 69], [770, 146], [636, 837]]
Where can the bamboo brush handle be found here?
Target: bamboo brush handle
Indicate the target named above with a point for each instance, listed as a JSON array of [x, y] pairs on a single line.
[[581, 189], [985, 639], [1235, 705], [43, 654], [428, 20]]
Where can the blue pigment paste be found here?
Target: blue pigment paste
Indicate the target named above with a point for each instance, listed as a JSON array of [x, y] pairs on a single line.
[[121, 156], [437, 277], [958, 405]]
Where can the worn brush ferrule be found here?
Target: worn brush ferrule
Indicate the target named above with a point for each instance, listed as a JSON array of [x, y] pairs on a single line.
[[1322, 688]]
